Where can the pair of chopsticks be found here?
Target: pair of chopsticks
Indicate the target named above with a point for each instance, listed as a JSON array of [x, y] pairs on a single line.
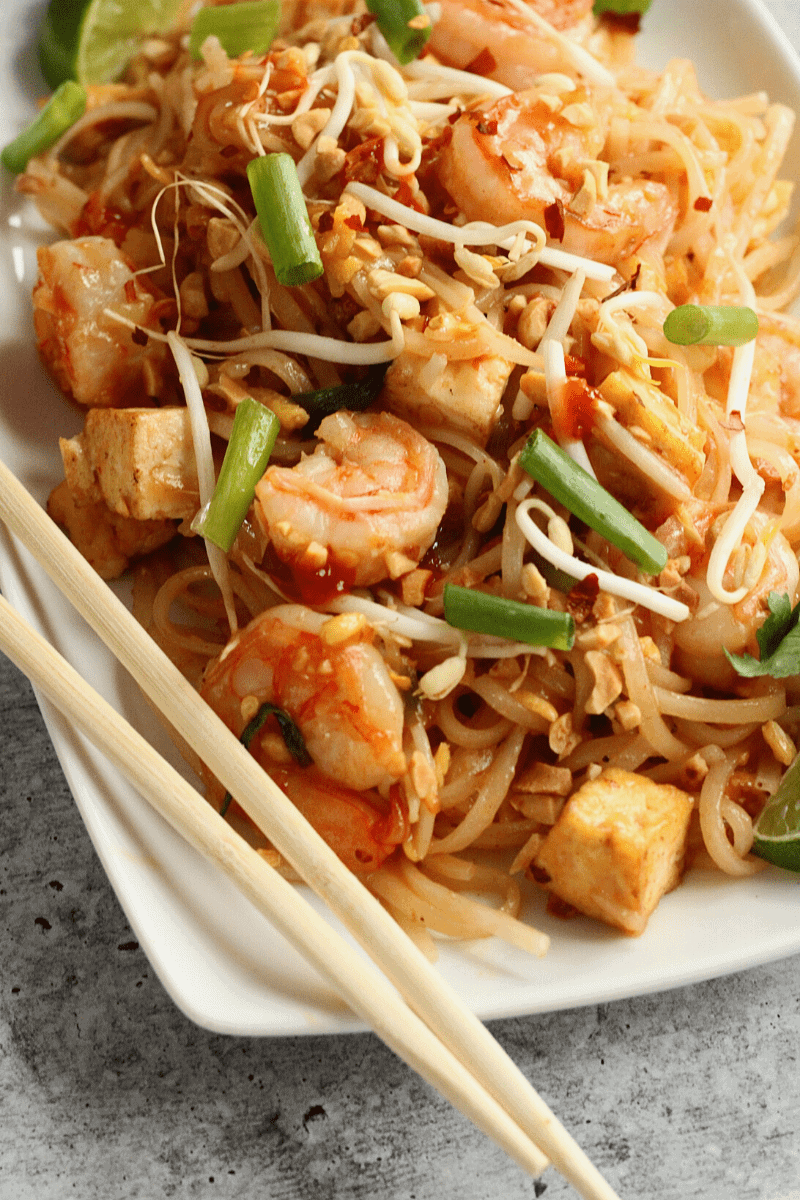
[[430, 1029]]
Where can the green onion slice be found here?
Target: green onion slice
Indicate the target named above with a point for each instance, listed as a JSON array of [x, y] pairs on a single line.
[[62, 110], [590, 502], [405, 25], [248, 26], [464, 608], [711, 325], [290, 731], [255, 429], [355, 397], [622, 8], [282, 213]]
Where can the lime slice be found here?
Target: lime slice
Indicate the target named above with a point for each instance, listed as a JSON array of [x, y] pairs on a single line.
[[777, 830], [94, 40]]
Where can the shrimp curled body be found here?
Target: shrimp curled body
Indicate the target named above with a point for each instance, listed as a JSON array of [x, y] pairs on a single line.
[[367, 502], [515, 49], [341, 696], [342, 699], [521, 160]]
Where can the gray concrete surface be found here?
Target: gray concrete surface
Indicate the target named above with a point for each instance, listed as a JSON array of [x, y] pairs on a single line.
[[108, 1093]]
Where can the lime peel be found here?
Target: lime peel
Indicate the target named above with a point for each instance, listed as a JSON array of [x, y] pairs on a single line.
[[776, 833], [94, 40]]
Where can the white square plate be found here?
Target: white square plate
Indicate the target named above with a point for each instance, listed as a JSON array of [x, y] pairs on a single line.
[[221, 962]]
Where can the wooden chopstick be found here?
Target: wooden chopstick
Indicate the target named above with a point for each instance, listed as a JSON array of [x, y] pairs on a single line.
[[358, 910], [366, 991]]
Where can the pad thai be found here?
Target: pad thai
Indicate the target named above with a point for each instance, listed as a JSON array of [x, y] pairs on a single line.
[[488, 608]]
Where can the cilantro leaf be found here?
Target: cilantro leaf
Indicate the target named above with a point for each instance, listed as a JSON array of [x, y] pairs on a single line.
[[778, 640]]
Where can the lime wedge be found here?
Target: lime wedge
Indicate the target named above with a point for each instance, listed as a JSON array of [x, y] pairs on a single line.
[[777, 830], [92, 41]]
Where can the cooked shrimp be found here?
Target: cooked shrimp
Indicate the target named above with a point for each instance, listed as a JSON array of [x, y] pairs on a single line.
[[530, 156], [93, 358], [363, 507], [339, 692], [514, 51], [702, 640], [361, 830]]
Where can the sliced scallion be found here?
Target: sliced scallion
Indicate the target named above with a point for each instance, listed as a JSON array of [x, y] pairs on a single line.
[[478, 612], [255, 429], [590, 502], [282, 214], [405, 25], [711, 325], [62, 110], [248, 26], [355, 397], [621, 8]]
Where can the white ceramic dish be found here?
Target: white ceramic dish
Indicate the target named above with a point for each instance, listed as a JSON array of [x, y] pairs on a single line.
[[220, 961]]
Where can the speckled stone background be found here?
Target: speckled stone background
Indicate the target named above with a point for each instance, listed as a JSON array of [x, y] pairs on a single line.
[[108, 1093]]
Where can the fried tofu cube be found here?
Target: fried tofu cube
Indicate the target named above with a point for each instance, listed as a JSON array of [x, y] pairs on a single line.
[[460, 395], [139, 462], [108, 542], [618, 847]]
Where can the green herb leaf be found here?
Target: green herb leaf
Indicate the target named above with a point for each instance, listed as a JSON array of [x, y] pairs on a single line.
[[295, 742], [778, 640], [354, 397]]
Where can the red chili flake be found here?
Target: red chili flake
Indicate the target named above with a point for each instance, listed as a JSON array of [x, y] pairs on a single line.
[[556, 907], [128, 946], [581, 598], [554, 221], [703, 203], [325, 223], [574, 365], [130, 291], [43, 921], [483, 63], [364, 163], [576, 414], [405, 196], [354, 222], [139, 336], [361, 23]]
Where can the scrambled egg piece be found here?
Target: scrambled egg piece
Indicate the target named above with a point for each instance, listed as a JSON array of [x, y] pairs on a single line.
[[617, 848], [138, 461], [645, 411]]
